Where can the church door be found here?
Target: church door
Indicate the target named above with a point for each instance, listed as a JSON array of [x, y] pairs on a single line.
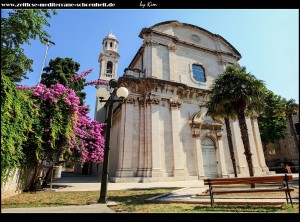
[[209, 158]]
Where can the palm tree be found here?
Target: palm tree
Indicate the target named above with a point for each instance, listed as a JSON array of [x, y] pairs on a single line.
[[291, 108], [242, 93], [225, 112]]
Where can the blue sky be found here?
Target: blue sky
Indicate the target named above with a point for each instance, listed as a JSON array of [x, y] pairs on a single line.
[[268, 40]]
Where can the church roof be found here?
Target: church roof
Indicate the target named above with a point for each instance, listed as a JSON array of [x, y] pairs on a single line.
[[193, 26], [197, 27], [151, 29]]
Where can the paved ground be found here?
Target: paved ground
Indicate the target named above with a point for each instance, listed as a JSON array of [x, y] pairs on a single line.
[[189, 192]]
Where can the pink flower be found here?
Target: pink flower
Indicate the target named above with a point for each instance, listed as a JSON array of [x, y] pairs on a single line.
[[85, 139]]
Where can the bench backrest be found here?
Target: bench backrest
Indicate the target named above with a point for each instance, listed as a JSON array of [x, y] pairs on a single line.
[[248, 180]]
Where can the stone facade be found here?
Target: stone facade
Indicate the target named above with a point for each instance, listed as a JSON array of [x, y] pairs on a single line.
[[285, 151], [161, 132]]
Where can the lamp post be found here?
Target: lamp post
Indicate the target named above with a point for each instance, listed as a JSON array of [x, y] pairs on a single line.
[[48, 44], [102, 93]]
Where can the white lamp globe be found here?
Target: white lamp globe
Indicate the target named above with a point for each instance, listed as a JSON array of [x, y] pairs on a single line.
[[102, 93], [122, 92]]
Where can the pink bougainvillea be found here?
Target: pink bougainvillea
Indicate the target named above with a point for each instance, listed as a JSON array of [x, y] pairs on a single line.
[[96, 82], [85, 140], [81, 75]]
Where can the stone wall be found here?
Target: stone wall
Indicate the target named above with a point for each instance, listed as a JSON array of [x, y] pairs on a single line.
[[14, 184], [284, 151]]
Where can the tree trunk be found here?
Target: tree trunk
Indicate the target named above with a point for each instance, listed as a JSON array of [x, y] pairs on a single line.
[[245, 139], [35, 182], [48, 175], [293, 131], [230, 144]]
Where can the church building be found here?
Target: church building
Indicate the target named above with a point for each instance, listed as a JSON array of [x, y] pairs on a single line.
[[161, 132]]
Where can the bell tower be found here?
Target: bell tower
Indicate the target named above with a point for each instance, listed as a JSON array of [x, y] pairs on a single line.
[[109, 58]]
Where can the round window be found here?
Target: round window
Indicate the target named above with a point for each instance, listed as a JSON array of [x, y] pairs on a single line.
[[195, 38]]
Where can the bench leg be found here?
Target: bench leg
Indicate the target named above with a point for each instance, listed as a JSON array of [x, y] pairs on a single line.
[[211, 198], [286, 183], [287, 193], [210, 195]]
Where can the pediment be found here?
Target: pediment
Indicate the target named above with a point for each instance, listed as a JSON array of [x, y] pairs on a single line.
[[201, 119]]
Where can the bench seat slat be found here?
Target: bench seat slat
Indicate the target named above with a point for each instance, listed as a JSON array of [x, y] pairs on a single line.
[[246, 180], [241, 182], [251, 190]]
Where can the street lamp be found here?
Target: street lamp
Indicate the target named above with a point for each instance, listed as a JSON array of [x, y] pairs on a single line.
[[48, 44], [102, 93]]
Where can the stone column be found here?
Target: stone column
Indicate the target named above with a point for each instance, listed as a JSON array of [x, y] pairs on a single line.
[[221, 155], [199, 158], [147, 59], [256, 168], [103, 68], [120, 150], [240, 151], [173, 63], [148, 141], [125, 167], [142, 153], [259, 148], [177, 149], [115, 69], [156, 152], [154, 72]]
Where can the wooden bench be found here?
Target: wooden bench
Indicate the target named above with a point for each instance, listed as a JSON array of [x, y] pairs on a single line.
[[284, 179]]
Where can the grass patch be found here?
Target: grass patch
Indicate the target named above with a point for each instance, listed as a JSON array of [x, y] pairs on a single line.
[[133, 201]]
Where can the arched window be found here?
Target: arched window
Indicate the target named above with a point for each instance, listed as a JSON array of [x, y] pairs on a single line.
[[110, 44], [109, 67], [198, 73], [105, 44]]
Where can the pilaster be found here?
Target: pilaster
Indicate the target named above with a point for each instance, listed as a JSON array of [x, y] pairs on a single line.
[[199, 158], [221, 155], [173, 63], [177, 149], [155, 128], [240, 151], [259, 148], [142, 152], [125, 167], [256, 167]]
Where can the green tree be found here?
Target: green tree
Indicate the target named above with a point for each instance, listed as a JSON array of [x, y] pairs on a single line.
[[17, 29], [18, 119], [224, 111], [272, 121], [291, 108], [62, 70], [242, 93]]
